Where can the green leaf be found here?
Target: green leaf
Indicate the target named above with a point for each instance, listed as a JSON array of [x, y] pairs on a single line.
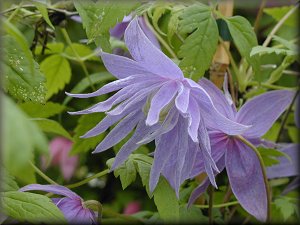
[[52, 48], [82, 51], [143, 165], [192, 215], [294, 134], [270, 156], [85, 123], [261, 50], [99, 17], [199, 47], [156, 15], [278, 12], [42, 110], [85, 83], [164, 196], [58, 73], [277, 73], [286, 207], [22, 76], [166, 201], [29, 207], [8, 182], [21, 137], [273, 132], [44, 11], [244, 38], [174, 22], [126, 172], [288, 44], [51, 126]]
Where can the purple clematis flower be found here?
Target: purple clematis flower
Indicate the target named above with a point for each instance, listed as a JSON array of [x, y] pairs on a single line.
[[154, 99], [118, 31], [242, 165], [287, 167], [71, 205]]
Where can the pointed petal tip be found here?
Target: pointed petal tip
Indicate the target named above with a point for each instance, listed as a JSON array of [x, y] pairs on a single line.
[[72, 113]]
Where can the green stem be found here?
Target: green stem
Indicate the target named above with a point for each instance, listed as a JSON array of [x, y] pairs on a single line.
[[279, 24], [79, 60], [263, 170], [17, 9], [259, 15], [39, 172], [233, 63], [160, 39], [28, 6], [271, 86], [218, 205], [210, 204], [88, 179]]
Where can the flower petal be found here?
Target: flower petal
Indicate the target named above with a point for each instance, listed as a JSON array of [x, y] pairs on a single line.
[[174, 167], [218, 98], [194, 119], [120, 96], [109, 120], [163, 97], [226, 92], [122, 67], [164, 147], [205, 183], [198, 191], [149, 56], [74, 212], [68, 165], [150, 35], [190, 160], [138, 97], [218, 147], [132, 144], [292, 186], [110, 87], [262, 111], [120, 131], [168, 124], [182, 99], [55, 189], [213, 118], [246, 179], [286, 168]]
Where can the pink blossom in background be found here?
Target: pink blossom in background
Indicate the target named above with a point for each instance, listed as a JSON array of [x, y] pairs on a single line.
[[132, 207], [59, 155]]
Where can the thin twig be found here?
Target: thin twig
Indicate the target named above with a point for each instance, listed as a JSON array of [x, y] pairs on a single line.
[[259, 15], [210, 204], [279, 24], [282, 125], [79, 60], [218, 205], [226, 197], [39, 172], [233, 95], [88, 179]]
